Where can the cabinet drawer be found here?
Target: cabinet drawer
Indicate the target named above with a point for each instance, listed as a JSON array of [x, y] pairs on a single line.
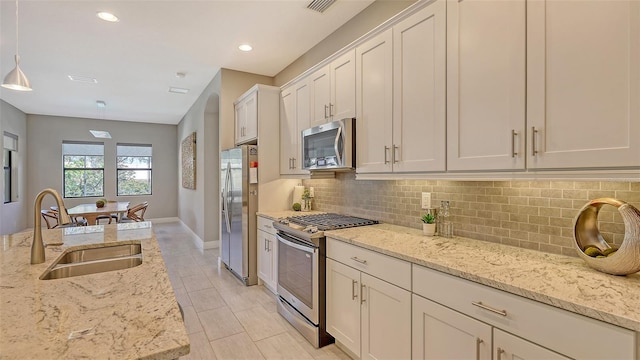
[[387, 268], [266, 225], [559, 330]]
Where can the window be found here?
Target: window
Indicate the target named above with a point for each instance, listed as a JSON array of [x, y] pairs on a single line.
[[9, 162], [83, 169], [134, 169]]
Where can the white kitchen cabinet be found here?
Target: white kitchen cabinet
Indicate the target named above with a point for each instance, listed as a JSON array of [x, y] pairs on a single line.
[[442, 333], [368, 315], [509, 347], [294, 117], [267, 254], [419, 91], [246, 110], [401, 96], [583, 84], [333, 91], [486, 85]]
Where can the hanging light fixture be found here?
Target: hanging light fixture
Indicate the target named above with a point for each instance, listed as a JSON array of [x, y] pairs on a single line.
[[16, 79]]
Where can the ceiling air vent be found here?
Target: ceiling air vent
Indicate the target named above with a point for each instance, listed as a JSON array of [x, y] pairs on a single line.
[[320, 5]]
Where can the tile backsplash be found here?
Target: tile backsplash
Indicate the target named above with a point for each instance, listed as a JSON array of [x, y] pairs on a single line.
[[529, 214]]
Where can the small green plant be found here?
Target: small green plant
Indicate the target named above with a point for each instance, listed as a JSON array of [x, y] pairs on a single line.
[[428, 219]]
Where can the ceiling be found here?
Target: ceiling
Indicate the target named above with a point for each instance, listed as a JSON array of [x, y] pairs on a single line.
[[135, 60]]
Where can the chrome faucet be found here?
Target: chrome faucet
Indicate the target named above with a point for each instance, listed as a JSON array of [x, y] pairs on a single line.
[[37, 247]]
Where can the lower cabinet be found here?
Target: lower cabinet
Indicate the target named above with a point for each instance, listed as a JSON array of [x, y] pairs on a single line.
[[507, 346], [368, 316], [267, 254]]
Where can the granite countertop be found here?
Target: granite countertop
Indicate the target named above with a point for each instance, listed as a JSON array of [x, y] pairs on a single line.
[[561, 281], [122, 314]]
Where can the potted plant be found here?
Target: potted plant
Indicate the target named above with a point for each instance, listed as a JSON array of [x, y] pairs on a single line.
[[429, 224], [100, 203], [306, 200]]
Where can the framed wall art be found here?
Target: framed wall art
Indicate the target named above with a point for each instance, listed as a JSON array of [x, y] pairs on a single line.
[[189, 162]]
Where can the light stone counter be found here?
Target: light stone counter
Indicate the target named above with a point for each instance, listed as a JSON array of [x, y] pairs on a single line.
[[561, 281], [123, 314]]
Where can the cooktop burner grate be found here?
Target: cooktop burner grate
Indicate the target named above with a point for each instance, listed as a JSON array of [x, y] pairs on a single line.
[[330, 221]]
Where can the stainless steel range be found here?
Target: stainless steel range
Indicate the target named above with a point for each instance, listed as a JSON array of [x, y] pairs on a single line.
[[301, 270]]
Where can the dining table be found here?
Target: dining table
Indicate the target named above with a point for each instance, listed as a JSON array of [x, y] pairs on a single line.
[[91, 211]]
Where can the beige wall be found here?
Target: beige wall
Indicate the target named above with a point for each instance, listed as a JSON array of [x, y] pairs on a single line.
[[529, 214], [374, 15], [13, 216], [212, 117], [44, 159]]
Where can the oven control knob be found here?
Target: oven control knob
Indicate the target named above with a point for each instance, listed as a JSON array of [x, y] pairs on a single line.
[[284, 221], [311, 229]]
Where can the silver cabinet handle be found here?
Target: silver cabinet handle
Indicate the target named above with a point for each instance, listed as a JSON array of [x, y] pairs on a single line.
[[355, 258], [489, 308], [514, 134], [478, 342], [500, 351], [267, 226], [393, 155], [294, 163], [268, 245], [534, 145], [325, 111], [354, 293], [331, 109], [386, 148], [362, 290]]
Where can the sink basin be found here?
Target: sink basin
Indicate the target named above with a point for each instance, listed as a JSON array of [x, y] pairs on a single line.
[[100, 253], [95, 260]]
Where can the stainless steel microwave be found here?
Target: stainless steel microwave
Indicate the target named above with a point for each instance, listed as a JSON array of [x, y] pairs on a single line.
[[330, 146]]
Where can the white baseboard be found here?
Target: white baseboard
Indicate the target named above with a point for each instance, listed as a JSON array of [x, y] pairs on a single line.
[[164, 220], [202, 245]]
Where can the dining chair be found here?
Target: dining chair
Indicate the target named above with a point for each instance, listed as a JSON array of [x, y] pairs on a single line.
[[136, 213], [75, 220], [111, 217], [50, 218]]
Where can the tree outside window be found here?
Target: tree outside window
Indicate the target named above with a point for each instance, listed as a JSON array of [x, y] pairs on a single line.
[[134, 169], [83, 164]]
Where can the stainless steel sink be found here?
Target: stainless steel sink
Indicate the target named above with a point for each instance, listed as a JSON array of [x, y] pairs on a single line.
[[95, 260], [100, 253]]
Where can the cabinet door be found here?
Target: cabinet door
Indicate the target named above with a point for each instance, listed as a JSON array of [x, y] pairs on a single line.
[[343, 87], [320, 96], [509, 347], [343, 305], [241, 118], [442, 333], [251, 116], [374, 67], [386, 320], [303, 112], [265, 258], [419, 105], [583, 84], [288, 127], [485, 85]]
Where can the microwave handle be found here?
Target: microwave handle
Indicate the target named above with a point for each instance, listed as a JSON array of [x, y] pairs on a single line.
[[335, 146]]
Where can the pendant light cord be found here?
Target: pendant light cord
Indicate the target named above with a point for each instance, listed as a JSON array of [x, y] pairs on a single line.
[[17, 52]]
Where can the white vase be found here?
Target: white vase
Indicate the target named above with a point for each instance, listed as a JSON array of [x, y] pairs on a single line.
[[428, 229]]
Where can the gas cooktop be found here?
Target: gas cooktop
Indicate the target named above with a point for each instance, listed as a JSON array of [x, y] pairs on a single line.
[[330, 221]]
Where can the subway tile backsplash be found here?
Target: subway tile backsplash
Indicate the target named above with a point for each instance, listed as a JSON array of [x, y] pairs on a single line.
[[529, 214]]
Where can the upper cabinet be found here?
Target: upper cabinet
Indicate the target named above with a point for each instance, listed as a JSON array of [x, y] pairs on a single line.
[[294, 117], [583, 84], [246, 110], [401, 99], [486, 85], [333, 90]]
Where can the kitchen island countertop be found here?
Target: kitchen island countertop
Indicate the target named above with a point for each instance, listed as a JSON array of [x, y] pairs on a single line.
[[122, 314]]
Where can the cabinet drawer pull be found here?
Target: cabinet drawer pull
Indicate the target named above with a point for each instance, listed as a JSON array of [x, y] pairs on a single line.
[[478, 342], [325, 111], [514, 135], [331, 109], [386, 148], [362, 290], [355, 258], [354, 293], [534, 137], [483, 306], [500, 351]]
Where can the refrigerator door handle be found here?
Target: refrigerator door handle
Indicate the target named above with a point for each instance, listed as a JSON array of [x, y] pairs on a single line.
[[225, 198]]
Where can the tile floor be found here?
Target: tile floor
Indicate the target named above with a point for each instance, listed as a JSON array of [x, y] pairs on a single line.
[[224, 319]]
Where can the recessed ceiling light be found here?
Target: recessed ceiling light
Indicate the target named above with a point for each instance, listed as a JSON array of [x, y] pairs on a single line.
[[180, 75], [107, 16], [84, 79], [100, 134], [245, 47], [101, 104], [178, 90]]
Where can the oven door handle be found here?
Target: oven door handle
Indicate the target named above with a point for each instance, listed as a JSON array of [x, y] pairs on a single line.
[[305, 248]]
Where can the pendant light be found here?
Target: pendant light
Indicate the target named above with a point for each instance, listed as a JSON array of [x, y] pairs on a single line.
[[16, 79]]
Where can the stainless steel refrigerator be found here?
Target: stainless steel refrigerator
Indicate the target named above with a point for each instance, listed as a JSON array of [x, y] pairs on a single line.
[[239, 194]]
